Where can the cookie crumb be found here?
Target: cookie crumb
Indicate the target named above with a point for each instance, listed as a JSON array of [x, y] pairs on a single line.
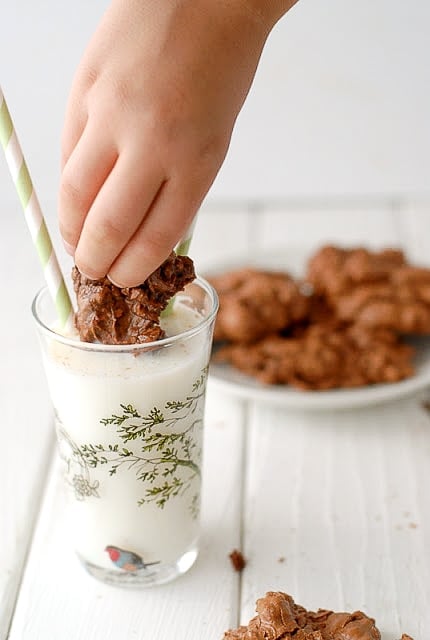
[[237, 560]]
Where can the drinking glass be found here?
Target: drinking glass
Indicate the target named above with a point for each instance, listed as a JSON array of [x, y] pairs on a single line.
[[129, 421]]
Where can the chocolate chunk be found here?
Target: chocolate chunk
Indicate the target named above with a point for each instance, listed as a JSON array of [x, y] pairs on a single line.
[[113, 315]]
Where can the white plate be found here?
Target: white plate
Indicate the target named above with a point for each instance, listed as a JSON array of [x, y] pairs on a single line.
[[230, 380]]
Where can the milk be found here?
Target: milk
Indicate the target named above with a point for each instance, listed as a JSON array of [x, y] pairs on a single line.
[[130, 425]]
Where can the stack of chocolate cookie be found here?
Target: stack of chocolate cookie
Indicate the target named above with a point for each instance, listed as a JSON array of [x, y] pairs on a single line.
[[343, 325]]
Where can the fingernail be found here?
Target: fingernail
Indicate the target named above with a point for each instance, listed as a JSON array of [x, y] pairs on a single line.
[[69, 248], [115, 284], [85, 275]]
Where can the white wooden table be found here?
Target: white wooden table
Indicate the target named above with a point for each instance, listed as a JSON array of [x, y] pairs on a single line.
[[331, 507]]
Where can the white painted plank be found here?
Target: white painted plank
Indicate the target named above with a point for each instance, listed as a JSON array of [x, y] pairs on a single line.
[[59, 600], [348, 225], [414, 224], [220, 233], [343, 498], [26, 428], [225, 236]]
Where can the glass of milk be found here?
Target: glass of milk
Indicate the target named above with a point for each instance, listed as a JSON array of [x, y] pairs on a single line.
[[129, 422]]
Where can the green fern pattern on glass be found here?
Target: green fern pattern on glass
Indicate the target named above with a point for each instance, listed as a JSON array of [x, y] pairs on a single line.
[[162, 449]]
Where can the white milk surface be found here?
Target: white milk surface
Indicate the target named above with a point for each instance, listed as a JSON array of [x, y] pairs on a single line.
[[141, 500]]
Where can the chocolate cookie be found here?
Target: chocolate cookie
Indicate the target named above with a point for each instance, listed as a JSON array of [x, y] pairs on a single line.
[[322, 357], [333, 271], [401, 303], [278, 617], [254, 303], [111, 315]]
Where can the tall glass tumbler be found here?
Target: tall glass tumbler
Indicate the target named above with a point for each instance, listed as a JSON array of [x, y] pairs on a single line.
[[129, 422]]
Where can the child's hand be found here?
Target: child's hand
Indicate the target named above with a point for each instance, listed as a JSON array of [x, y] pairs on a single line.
[[148, 125]]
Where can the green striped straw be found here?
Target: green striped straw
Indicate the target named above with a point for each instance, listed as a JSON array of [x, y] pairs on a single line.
[[34, 217], [183, 246], [181, 249]]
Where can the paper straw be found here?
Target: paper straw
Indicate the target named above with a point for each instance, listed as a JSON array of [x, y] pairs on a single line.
[[183, 246], [181, 249], [34, 217]]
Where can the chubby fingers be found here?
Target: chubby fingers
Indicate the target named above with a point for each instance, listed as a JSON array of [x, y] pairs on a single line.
[[75, 121], [82, 177], [119, 207], [162, 228]]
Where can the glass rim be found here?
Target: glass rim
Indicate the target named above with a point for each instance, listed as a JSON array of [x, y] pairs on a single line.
[[141, 346]]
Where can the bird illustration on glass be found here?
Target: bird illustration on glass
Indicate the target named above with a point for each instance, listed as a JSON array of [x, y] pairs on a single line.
[[127, 560]]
